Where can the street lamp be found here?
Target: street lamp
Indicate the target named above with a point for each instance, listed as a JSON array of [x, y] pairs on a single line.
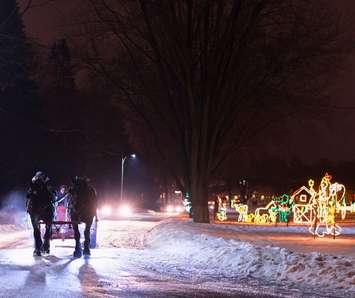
[[122, 169]]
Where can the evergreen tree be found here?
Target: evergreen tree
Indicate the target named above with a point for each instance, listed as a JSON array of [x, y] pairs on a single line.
[[62, 100], [17, 90], [60, 67], [61, 105], [18, 105]]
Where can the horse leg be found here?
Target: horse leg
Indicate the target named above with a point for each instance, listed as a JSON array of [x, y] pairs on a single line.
[[77, 251], [87, 237], [36, 234], [47, 237]]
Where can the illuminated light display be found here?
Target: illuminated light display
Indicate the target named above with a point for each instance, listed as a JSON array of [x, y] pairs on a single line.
[[222, 209], [303, 199], [250, 218], [261, 218], [326, 203], [222, 214], [318, 209], [278, 209], [241, 209], [282, 207], [187, 205], [265, 214]]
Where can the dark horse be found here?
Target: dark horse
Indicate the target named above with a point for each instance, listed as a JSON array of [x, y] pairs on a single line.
[[82, 208], [40, 207]]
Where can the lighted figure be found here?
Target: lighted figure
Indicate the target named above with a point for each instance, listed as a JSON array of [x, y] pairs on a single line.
[[337, 192], [265, 214], [250, 218], [283, 207], [241, 209], [222, 209], [325, 205], [279, 208], [188, 205]]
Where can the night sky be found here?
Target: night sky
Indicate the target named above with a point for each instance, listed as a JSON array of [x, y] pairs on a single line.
[[310, 141]]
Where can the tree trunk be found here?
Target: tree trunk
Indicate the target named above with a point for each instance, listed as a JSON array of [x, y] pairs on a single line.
[[201, 213], [199, 196]]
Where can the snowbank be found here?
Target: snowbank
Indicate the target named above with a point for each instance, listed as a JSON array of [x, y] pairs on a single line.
[[9, 228], [185, 247], [14, 217], [123, 234], [291, 229]]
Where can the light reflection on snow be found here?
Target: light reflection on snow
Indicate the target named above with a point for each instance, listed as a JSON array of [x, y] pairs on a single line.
[[14, 279], [179, 257]]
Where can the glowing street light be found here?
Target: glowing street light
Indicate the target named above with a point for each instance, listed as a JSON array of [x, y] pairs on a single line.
[[122, 170]]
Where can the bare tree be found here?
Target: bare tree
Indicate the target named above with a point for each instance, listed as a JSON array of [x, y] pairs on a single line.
[[206, 76]]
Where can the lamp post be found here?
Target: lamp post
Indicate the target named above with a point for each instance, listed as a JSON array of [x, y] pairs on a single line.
[[123, 159]]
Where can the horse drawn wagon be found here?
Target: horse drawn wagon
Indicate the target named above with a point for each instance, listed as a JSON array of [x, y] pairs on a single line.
[[62, 226]]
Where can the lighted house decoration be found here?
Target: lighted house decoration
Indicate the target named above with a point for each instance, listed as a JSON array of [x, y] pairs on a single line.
[[302, 208]]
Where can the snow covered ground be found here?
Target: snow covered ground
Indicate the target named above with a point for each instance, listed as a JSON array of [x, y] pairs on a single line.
[[191, 247], [172, 258]]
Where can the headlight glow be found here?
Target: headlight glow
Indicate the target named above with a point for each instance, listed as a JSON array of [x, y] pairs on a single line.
[[106, 211], [125, 210], [178, 209], [169, 209]]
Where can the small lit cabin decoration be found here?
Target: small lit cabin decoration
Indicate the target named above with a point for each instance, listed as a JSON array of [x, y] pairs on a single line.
[[303, 198]]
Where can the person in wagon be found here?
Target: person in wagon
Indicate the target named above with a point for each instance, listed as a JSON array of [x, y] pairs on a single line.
[[61, 203], [61, 197]]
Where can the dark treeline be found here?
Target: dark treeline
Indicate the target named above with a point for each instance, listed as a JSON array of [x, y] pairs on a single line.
[[188, 85], [48, 123], [282, 176]]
